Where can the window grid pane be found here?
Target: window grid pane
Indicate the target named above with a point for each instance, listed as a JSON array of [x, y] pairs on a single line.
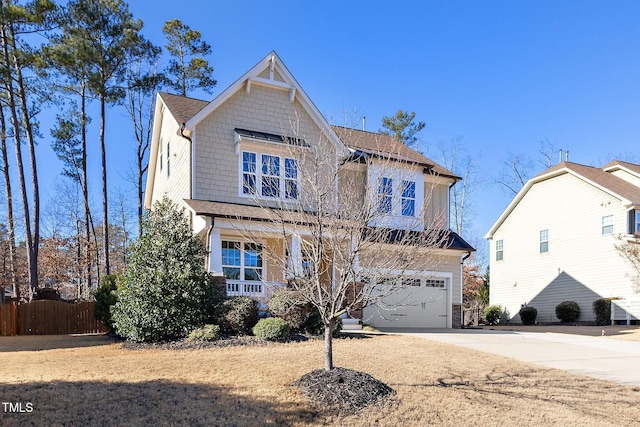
[[385, 193], [544, 240], [607, 224], [499, 250]]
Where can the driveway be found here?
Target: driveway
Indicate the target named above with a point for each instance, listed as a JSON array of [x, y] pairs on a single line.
[[598, 357]]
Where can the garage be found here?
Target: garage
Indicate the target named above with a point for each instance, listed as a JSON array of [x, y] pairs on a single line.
[[421, 303]]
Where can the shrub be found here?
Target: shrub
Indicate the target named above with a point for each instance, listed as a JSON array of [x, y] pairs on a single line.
[[287, 305], [492, 314], [165, 286], [315, 326], [272, 329], [205, 333], [568, 311], [240, 315], [602, 311], [528, 315], [105, 297]]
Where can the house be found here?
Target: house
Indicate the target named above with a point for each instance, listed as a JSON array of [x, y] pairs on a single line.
[[555, 242], [213, 158]]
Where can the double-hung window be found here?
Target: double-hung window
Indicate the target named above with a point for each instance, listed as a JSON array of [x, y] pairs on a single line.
[[499, 250], [242, 260], [607, 224], [408, 198], [385, 195], [269, 175], [544, 240]]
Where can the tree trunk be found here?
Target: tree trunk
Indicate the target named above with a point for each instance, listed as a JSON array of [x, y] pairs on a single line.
[[105, 211], [31, 144], [328, 344], [15, 122], [15, 288]]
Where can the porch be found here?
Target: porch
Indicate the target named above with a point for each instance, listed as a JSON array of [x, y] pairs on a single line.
[[258, 291]]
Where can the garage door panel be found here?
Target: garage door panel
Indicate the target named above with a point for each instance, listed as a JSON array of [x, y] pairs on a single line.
[[424, 307]]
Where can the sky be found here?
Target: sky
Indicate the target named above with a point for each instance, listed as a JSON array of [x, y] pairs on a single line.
[[500, 76]]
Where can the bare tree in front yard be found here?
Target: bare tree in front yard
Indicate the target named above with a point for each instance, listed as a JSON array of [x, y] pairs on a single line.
[[350, 245], [629, 249]]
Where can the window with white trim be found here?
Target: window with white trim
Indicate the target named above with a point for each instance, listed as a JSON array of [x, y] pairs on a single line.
[[269, 178], [385, 194], [408, 198], [499, 250], [637, 224], [242, 260], [544, 240], [607, 224]]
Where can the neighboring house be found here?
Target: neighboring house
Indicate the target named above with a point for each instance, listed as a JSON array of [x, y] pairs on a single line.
[[212, 157], [555, 242]]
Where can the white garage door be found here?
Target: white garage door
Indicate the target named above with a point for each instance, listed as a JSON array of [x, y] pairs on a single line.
[[423, 305]]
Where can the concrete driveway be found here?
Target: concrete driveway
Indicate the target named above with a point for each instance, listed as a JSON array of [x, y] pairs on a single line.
[[598, 357]]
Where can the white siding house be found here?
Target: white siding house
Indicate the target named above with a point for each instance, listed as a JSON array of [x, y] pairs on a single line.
[[555, 241], [214, 157]]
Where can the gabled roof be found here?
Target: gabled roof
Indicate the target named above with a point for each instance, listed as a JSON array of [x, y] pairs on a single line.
[[614, 165], [385, 146], [181, 107], [628, 193]]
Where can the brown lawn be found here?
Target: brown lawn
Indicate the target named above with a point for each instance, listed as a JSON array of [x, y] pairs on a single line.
[[91, 380]]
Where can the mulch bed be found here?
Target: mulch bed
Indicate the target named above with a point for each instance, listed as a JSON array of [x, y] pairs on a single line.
[[343, 389]]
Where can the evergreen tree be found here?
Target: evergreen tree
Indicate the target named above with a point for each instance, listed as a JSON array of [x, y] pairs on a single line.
[[401, 127], [187, 68], [165, 288]]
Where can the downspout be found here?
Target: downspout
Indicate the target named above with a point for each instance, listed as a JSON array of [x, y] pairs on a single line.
[[208, 244]]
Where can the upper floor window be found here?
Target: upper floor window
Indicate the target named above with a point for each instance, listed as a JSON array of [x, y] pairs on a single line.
[[242, 260], [544, 240], [385, 195], [499, 250], [408, 198], [270, 179], [607, 224]]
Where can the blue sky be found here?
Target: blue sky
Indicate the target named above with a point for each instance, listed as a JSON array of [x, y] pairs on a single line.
[[502, 75]]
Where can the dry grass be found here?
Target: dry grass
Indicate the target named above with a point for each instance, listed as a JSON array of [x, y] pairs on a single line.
[[93, 381]]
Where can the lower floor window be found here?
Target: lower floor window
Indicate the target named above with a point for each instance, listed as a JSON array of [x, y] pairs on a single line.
[[242, 260]]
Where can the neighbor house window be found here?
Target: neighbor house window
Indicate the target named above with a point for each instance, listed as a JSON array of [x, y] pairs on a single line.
[[544, 240], [408, 198], [499, 250], [168, 160], [637, 225], [269, 178], [385, 195], [607, 224], [242, 260]]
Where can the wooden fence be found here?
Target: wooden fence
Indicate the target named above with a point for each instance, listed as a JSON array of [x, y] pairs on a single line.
[[47, 317]]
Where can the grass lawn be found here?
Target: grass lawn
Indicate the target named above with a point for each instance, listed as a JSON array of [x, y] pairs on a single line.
[[90, 380]]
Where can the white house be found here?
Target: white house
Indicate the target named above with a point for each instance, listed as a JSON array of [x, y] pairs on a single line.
[[555, 242], [214, 157]]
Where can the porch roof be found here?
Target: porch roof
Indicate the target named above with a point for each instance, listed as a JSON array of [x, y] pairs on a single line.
[[257, 213]]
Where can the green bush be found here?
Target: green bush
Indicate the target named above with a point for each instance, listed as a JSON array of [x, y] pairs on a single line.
[[271, 328], [165, 287], [568, 311], [287, 305], [492, 314], [240, 315], [315, 326], [205, 333], [106, 298], [602, 311], [528, 315]]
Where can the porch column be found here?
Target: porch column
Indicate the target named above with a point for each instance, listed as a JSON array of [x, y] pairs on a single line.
[[215, 253], [294, 267]]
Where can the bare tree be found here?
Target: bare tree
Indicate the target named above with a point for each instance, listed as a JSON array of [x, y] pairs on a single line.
[[341, 249], [629, 249], [517, 169]]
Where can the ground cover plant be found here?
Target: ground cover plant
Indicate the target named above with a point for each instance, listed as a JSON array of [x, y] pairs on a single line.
[[95, 381]]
